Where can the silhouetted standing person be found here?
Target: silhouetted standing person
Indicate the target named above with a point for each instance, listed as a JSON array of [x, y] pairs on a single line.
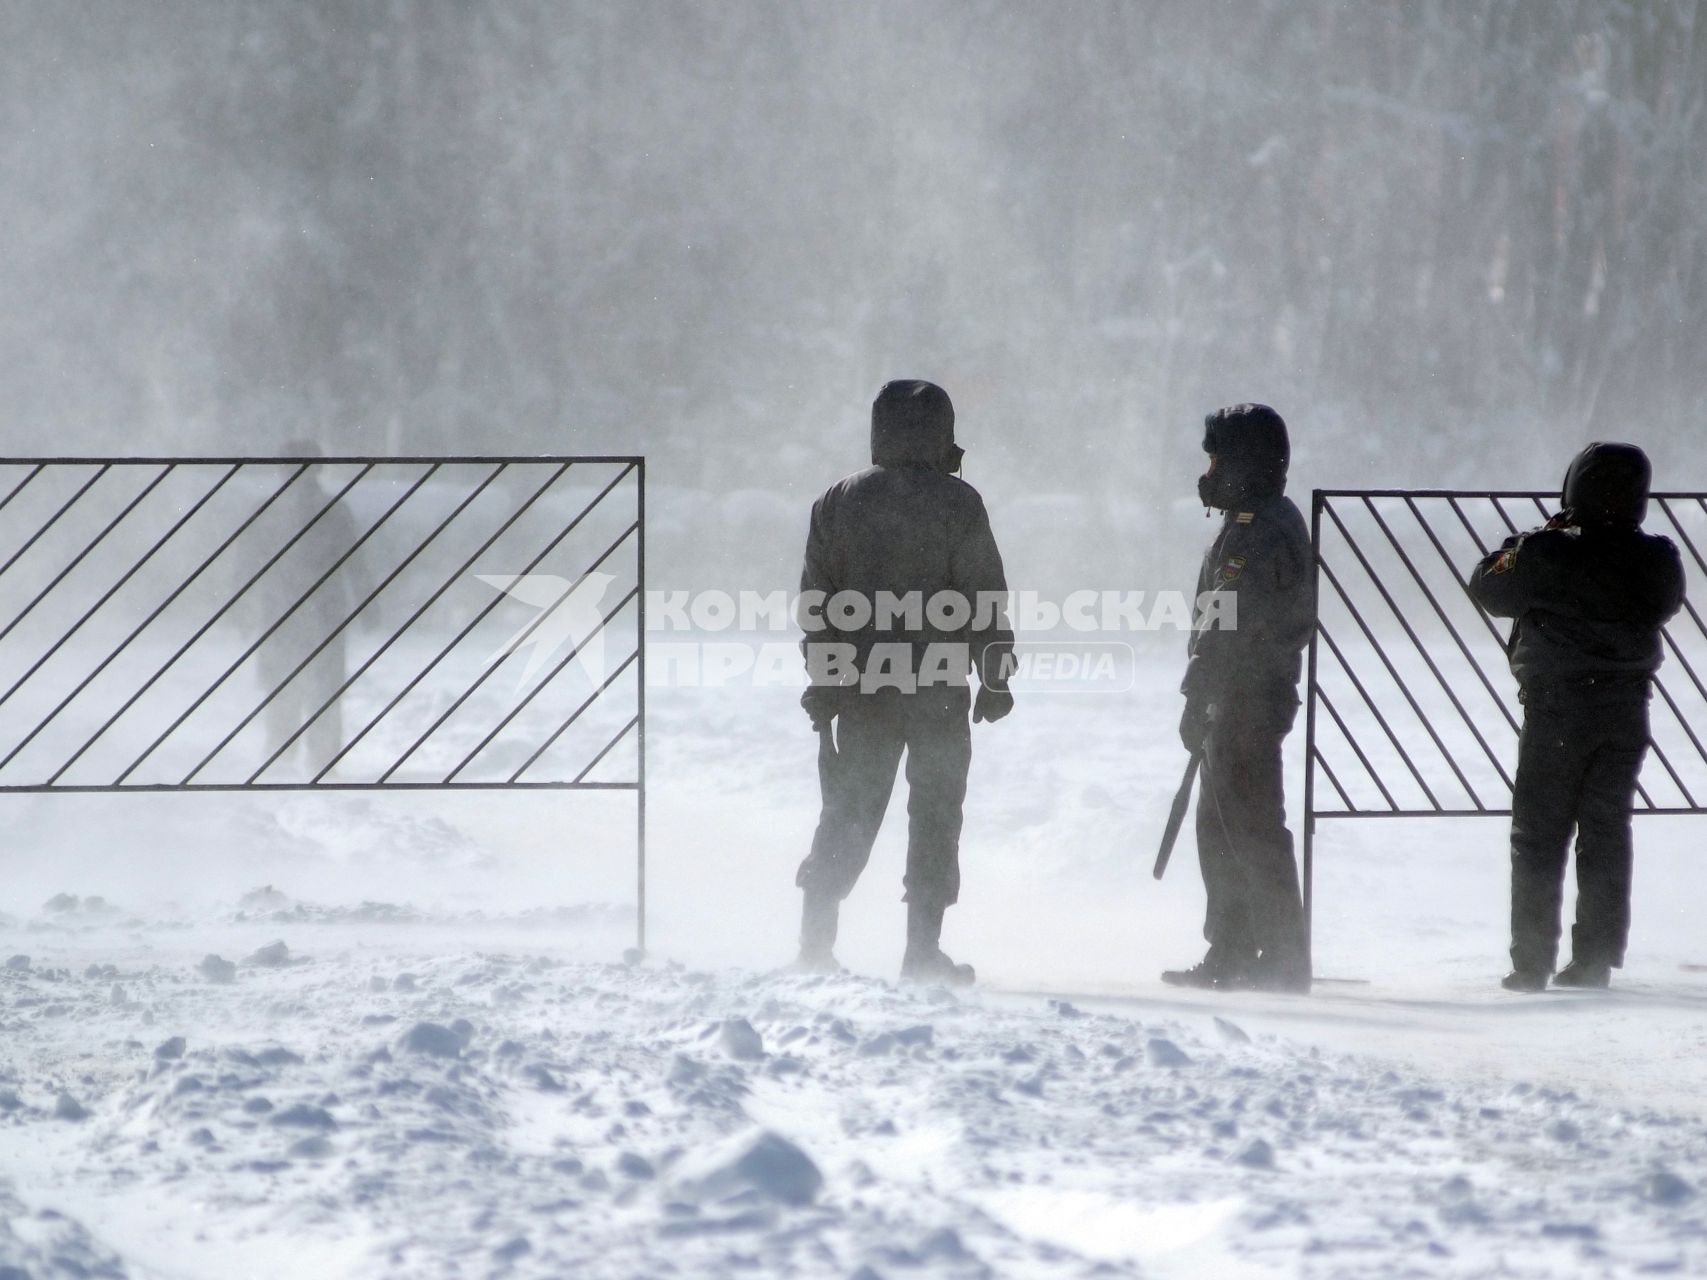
[[905, 531], [1255, 612], [1590, 592], [321, 613]]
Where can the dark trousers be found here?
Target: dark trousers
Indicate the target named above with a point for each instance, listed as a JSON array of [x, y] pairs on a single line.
[[1576, 769], [1245, 850], [871, 733]]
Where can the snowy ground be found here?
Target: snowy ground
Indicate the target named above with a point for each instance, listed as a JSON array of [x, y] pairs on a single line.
[[525, 1103]]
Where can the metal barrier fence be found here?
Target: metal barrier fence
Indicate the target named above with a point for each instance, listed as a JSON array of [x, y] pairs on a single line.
[[324, 624], [1411, 709]]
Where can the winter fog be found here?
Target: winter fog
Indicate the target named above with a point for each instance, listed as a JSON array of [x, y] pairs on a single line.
[[1451, 241], [414, 1032]]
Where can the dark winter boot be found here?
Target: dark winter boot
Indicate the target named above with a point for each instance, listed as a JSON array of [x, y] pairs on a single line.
[[924, 961], [1525, 980], [818, 918], [1217, 971], [1584, 974]]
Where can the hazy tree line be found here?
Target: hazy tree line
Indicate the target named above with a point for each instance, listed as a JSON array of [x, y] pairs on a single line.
[[1449, 240]]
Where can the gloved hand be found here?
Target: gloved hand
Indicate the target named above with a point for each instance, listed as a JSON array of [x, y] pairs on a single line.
[[822, 703], [991, 704], [1194, 724]]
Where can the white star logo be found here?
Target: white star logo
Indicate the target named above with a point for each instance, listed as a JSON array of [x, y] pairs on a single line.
[[568, 618]]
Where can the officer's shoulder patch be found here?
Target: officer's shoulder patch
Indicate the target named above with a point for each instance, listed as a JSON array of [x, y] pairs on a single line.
[[1245, 517], [1507, 559], [1232, 569]]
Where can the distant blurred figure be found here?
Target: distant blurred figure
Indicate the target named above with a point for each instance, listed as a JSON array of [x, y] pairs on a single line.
[[1590, 592], [1255, 612], [909, 530], [323, 609]]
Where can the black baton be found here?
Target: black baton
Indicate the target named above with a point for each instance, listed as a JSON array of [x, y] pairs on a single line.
[[1176, 815]]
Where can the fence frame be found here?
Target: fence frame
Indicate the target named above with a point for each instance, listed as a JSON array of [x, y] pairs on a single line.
[[634, 464], [1322, 504]]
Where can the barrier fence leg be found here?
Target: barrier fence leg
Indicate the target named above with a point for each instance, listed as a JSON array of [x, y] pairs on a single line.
[[1309, 868], [640, 707], [1309, 885]]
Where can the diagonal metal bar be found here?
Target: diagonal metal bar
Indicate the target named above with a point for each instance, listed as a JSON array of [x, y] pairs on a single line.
[[1683, 533], [1357, 748], [1665, 763], [1328, 771], [398, 634], [1665, 695], [54, 518], [336, 631], [21, 485], [1688, 542], [410, 621], [1452, 565], [295, 605], [118, 586], [620, 735], [83, 555], [202, 630], [575, 715], [1451, 630], [1510, 524], [1375, 710], [1399, 683], [148, 621], [1475, 536], [540, 687], [1683, 661], [1677, 650], [1428, 660], [515, 647], [470, 627], [1482, 547]]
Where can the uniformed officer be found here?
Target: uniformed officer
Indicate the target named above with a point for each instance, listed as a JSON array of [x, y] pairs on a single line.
[[1254, 616], [910, 543], [1590, 592]]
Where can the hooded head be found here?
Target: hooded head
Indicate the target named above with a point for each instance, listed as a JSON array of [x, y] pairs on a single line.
[[1607, 484], [912, 424], [1251, 453]]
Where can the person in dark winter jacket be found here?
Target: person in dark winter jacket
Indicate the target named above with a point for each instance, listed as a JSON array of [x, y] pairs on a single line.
[[903, 594], [1255, 613], [1590, 592]]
